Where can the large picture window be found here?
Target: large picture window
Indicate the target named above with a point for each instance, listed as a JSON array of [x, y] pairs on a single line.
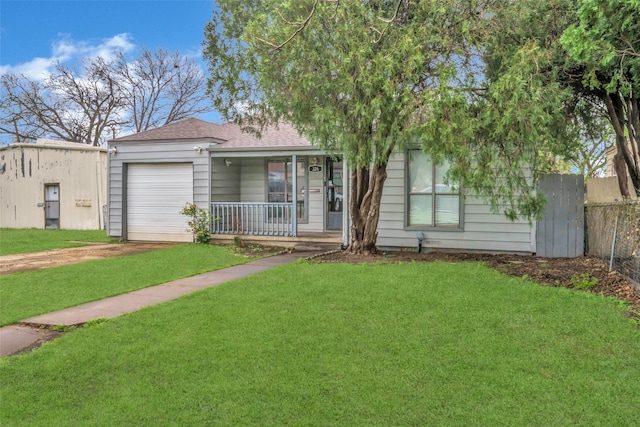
[[280, 184], [432, 203]]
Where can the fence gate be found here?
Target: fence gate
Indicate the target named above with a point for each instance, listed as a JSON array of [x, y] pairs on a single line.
[[560, 233]]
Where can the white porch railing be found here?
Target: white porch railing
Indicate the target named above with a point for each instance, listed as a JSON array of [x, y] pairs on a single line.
[[257, 219]]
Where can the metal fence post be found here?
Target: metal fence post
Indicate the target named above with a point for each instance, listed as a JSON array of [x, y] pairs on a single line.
[[613, 243]]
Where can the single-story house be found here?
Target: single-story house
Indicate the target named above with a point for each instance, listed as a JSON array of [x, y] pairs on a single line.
[[53, 184], [253, 189]]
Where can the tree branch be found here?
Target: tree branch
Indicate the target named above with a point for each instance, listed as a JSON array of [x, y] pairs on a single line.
[[301, 27], [387, 21]]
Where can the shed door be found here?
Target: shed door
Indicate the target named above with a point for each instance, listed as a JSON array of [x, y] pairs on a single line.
[[156, 193], [52, 206]]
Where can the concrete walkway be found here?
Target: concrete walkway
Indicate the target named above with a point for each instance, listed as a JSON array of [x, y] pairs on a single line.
[[31, 333]]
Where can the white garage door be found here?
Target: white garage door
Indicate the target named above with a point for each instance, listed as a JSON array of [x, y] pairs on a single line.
[[156, 193]]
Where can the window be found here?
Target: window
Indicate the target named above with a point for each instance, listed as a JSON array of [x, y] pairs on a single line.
[[431, 202], [280, 184]]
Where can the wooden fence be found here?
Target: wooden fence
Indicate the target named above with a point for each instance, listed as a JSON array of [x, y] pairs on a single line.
[[560, 233]]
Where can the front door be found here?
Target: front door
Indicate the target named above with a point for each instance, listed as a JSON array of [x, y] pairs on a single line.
[[52, 206], [335, 194]]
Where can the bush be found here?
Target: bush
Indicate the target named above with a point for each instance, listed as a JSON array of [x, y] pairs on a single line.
[[200, 222]]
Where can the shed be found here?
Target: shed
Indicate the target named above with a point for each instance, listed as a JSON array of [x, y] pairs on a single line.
[[53, 184]]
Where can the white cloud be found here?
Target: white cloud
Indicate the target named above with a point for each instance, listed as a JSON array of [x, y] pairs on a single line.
[[66, 50], [36, 69], [109, 47]]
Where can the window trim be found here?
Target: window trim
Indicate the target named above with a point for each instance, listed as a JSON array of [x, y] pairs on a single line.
[[407, 205]]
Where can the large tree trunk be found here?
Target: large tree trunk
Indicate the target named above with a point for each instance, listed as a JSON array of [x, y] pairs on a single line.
[[624, 112], [364, 208], [621, 172]]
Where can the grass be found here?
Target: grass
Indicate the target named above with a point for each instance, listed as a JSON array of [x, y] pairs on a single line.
[[351, 345], [23, 295], [18, 241]]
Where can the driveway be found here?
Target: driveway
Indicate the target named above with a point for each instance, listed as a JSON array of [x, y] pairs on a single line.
[[54, 258]]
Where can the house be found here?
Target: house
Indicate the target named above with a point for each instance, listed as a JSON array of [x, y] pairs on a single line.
[[53, 184], [610, 169], [281, 187], [607, 189]]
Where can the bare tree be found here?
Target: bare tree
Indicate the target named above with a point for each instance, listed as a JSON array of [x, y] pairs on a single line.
[[101, 99], [18, 112], [162, 88], [86, 107], [64, 105]]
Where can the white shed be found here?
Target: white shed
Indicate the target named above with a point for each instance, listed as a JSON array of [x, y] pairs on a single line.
[[53, 184]]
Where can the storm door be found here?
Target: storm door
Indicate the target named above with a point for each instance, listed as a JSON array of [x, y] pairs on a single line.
[[335, 194]]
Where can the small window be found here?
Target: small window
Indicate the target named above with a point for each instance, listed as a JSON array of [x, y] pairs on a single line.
[[431, 202]]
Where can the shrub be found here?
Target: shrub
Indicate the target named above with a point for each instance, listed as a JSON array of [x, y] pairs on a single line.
[[199, 223]]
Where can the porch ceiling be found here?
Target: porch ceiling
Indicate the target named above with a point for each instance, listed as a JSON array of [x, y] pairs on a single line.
[[312, 151]]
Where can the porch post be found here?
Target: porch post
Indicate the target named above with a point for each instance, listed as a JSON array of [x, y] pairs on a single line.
[[346, 192], [294, 201]]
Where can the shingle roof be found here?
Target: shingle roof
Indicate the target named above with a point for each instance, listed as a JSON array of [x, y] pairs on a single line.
[[230, 135], [184, 129]]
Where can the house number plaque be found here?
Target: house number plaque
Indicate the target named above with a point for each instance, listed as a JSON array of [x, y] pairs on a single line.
[[315, 168]]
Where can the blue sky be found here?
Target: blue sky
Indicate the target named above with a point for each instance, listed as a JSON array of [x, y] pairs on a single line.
[[34, 33]]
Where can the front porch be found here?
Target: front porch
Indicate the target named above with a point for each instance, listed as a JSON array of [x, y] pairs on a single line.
[[256, 219], [277, 198]]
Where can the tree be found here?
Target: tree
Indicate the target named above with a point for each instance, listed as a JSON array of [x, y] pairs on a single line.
[[366, 78], [161, 88], [604, 41], [63, 106], [101, 99], [16, 108], [584, 53]]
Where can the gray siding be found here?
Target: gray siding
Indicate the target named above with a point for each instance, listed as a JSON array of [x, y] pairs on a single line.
[[225, 181], [153, 152], [481, 230], [253, 180]]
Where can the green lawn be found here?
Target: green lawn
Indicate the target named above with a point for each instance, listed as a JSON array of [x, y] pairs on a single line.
[[340, 344], [18, 241], [23, 295]]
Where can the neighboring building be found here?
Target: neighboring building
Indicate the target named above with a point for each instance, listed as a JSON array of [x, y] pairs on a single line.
[[53, 184], [249, 183], [607, 189], [610, 153]]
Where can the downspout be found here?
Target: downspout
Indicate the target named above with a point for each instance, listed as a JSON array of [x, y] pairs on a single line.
[[107, 219], [99, 190], [294, 201]]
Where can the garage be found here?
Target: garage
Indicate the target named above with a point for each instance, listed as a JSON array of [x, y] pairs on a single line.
[[155, 195]]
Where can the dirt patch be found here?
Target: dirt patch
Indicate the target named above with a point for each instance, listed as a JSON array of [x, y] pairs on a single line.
[[47, 259], [560, 272], [38, 260], [256, 250]]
